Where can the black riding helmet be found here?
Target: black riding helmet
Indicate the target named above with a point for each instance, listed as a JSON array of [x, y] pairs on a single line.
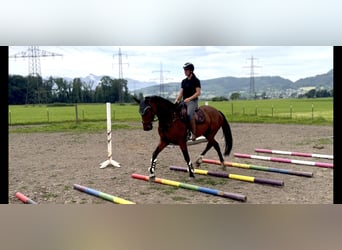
[[189, 66]]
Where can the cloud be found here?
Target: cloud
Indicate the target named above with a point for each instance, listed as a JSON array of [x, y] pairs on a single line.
[[145, 63]]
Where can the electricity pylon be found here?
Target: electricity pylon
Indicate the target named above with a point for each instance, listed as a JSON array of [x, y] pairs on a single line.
[[34, 54], [120, 74], [251, 81], [161, 78]]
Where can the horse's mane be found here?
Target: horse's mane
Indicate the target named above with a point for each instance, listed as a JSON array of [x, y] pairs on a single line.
[[160, 100]]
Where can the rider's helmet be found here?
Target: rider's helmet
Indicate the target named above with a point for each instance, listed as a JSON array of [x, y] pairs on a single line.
[[189, 66]]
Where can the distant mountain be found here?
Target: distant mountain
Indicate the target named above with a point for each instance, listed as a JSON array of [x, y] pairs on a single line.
[[325, 80], [273, 86], [134, 85], [94, 80], [227, 85], [131, 83]]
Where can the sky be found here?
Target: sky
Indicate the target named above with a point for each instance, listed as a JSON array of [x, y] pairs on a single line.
[[164, 63], [171, 22]]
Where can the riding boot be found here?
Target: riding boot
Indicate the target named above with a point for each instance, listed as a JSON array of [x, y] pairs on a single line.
[[188, 134], [193, 129]]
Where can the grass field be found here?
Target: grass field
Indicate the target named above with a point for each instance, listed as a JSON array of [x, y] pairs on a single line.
[[317, 111]]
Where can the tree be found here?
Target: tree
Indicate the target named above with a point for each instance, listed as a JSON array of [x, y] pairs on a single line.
[[141, 96], [322, 93], [311, 93], [235, 96], [62, 91], [88, 93], [77, 90], [99, 96], [219, 98], [106, 86], [119, 90], [17, 86], [33, 89], [46, 91]]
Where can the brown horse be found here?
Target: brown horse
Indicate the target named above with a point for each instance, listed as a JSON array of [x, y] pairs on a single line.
[[173, 129]]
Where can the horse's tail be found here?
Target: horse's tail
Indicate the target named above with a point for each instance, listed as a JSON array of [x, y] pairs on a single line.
[[227, 135]]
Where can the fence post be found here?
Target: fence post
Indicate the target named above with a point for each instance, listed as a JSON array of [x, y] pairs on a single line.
[[76, 112], [109, 161]]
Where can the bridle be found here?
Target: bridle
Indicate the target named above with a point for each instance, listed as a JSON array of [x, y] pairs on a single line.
[[142, 113]]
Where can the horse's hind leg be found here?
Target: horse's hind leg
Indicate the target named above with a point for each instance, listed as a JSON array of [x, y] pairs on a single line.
[[200, 157], [212, 143], [218, 150]]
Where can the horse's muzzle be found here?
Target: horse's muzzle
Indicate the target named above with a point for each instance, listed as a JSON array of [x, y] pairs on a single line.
[[148, 127]]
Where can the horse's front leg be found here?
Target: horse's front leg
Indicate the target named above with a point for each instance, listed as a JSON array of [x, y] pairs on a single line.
[[187, 159], [162, 144]]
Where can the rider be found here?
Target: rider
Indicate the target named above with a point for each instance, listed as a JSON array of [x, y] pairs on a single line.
[[190, 91]]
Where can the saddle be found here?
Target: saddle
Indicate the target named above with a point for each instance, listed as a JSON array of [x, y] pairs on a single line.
[[199, 114]]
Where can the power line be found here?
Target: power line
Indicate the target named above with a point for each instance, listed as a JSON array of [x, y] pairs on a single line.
[[34, 54], [252, 80], [161, 78], [120, 73]]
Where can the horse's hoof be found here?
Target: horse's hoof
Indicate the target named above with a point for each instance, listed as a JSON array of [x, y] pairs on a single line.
[[199, 161], [191, 174], [152, 178]]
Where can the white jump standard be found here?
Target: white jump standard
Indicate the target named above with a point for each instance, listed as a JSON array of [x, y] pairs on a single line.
[[110, 161]]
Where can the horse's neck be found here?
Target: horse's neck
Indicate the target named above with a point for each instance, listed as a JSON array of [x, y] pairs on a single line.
[[163, 114], [164, 111]]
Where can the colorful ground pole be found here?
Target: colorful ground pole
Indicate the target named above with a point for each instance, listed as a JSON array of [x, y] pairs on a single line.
[[232, 176], [313, 155], [261, 168], [102, 195], [24, 198], [233, 196], [285, 160]]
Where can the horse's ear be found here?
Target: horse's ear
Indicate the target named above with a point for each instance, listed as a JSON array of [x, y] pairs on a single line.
[[136, 99]]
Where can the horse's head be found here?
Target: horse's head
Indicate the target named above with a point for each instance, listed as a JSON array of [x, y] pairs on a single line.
[[146, 112]]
